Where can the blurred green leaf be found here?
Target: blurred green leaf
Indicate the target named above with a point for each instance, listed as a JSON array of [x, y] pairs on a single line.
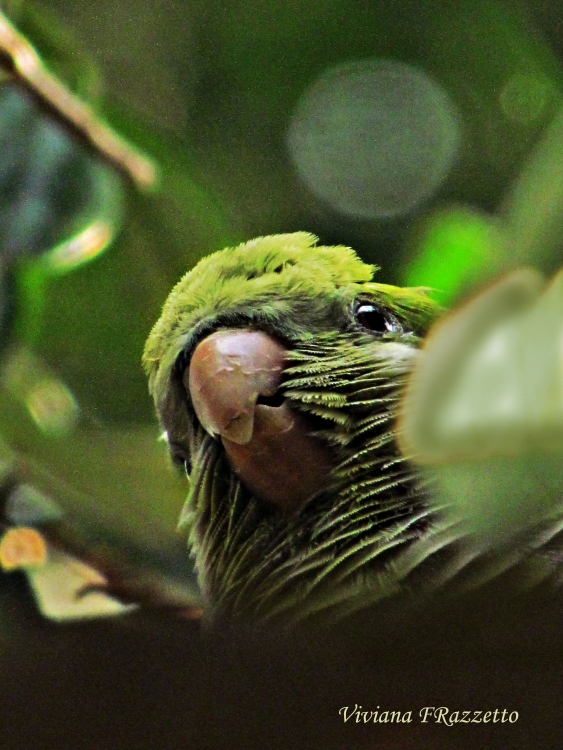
[[483, 413]]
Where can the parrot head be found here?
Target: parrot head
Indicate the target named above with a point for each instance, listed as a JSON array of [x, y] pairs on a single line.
[[276, 368]]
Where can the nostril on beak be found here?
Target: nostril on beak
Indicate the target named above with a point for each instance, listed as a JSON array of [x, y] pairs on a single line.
[[276, 399], [230, 372]]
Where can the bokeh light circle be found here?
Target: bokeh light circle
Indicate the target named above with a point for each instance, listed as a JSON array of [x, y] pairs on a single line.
[[374, 138]]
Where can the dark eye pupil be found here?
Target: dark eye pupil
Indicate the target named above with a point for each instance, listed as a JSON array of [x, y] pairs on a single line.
[[179, 460], [373, 319]]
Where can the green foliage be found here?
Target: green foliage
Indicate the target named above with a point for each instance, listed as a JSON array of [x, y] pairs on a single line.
[[108, 308], [62, 203], [483, 416]]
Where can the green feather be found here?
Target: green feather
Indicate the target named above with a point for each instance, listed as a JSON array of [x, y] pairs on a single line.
[[254, 561]]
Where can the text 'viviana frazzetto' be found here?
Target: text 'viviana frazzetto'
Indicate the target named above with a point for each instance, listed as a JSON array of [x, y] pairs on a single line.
[[428, 715]]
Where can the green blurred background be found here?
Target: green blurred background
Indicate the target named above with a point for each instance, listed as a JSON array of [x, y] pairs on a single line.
[[396, 128]]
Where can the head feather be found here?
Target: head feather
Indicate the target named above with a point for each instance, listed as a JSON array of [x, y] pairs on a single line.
[[347, 381]]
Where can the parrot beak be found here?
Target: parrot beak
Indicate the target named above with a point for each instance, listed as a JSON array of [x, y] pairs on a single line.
[[233, 381], [228, 373]]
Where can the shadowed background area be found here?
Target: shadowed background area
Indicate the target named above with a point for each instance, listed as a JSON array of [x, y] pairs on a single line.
[[151, 682]]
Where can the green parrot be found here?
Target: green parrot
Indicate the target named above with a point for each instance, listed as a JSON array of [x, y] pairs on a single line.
[[276, 369]]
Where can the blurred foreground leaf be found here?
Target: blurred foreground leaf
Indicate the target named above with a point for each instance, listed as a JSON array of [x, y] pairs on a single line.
[[483, 413]]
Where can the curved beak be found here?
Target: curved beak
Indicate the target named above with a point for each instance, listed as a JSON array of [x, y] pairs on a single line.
[[233, 381], [229, 371]]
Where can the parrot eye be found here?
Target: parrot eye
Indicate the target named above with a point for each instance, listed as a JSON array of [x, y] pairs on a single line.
[[376, 320], [180, 459]]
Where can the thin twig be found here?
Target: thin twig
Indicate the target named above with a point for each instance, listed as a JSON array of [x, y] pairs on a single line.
[[30, 70]]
